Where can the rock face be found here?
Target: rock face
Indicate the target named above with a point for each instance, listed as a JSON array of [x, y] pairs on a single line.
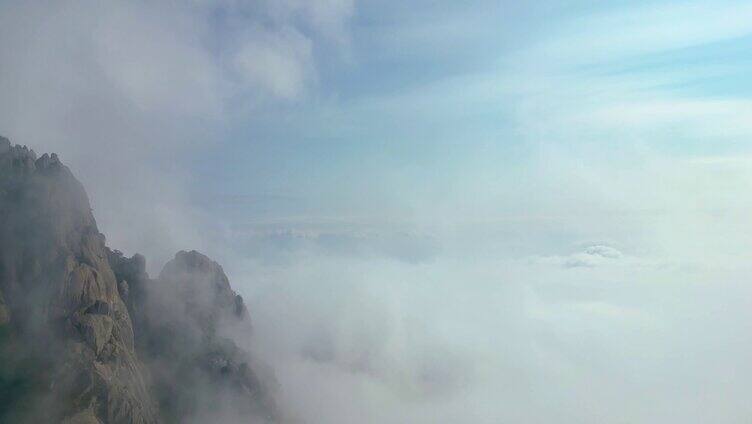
[[67, 328], [186, 318], [87, 337]]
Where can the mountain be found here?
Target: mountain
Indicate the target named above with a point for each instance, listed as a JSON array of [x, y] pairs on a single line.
[[86, 336]]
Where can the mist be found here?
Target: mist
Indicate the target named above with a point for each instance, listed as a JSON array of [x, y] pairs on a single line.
[[435, 214]]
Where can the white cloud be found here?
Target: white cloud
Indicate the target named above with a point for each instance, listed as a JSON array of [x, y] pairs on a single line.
[[279, 63], [650, 28], [126, 91], [590, 257]]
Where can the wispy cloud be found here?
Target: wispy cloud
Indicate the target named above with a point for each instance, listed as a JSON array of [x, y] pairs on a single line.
[[623, 33]]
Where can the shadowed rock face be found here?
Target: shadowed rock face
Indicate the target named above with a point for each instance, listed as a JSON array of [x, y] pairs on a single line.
[[185, 320], [203, 289], [67, 348], [87, 337]]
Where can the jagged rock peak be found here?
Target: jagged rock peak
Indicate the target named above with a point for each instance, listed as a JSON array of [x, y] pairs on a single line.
[[67, 337], [23, 157], [4, 145], [193, 272], [16, 156], [47, 162], [86, 337], [195, 264]]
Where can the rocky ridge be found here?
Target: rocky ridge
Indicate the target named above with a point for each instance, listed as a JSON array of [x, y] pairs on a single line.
[[86, 336]]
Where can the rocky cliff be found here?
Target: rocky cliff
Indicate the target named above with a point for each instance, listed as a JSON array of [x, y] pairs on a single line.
[[86, 336]]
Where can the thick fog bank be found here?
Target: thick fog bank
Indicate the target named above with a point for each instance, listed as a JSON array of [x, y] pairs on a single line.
[[594, 334]]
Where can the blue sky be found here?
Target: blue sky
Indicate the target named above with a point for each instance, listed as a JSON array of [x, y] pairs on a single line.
[[420, 98]]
